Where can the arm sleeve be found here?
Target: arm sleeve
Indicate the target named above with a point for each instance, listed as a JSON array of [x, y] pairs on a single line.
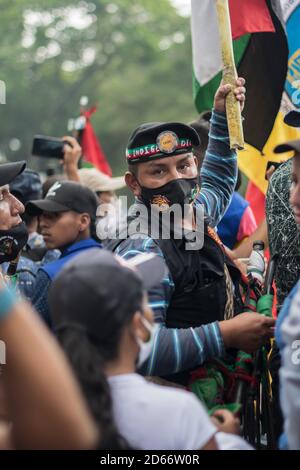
[[40, 297], [219, 170], [196, 427], [174, 350], [290, 373]]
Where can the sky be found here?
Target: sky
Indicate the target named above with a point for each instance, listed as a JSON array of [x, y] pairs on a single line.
[[184, 6]]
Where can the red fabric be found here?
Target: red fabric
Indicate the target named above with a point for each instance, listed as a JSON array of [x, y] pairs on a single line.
[[250, 16], [257, 201], [91, 147], [247, 225]]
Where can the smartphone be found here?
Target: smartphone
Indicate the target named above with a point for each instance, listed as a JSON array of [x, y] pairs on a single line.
[[269, 164], [49, 147]]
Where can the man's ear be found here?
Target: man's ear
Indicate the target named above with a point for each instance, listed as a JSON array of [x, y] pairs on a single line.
[[132, 183], [139, 328], [196, 161], [198, 157], [85, 221]]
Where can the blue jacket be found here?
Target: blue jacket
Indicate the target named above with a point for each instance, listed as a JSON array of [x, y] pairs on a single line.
[[26, 276], [27, 269], [228, 228], [46, 274]]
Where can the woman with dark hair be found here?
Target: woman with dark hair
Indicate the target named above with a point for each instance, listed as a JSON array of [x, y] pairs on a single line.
[[100, 314], [88, 366]]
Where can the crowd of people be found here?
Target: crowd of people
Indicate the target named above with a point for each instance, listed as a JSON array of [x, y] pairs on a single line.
[[127, 331]]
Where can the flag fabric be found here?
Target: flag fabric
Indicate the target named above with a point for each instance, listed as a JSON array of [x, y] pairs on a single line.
[[264, 70], [245, 18], [93, 154], [252, 162], [249, 17], [256, 199]]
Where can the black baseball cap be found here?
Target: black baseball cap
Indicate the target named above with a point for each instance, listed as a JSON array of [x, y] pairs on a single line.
[[292, 145], [292, 118], [65, 196], [96, 285], [27, 186], [155, 140], [9, 171]]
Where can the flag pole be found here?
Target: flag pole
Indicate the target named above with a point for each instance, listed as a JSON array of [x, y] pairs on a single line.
[[233, 108]]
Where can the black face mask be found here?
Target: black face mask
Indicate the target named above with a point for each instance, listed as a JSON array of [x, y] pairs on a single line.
[[181, 191], [12, 242]]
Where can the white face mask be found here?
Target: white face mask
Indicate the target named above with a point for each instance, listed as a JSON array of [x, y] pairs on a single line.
[[146, 347]]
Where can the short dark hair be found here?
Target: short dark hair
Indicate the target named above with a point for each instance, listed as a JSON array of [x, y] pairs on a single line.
[[201, 126], [133, 168]]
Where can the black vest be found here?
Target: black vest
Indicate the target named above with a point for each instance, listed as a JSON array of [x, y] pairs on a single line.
[[200, 288]]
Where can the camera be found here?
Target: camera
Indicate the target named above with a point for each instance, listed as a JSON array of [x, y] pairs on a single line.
[[49, 147]]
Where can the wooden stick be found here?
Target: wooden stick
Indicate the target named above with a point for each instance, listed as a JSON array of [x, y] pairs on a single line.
[[233, 107]]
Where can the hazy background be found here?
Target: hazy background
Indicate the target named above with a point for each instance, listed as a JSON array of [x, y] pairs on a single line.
[[130, 57]]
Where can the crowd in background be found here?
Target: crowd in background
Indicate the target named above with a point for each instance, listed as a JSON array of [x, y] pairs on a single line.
[[118, 342]]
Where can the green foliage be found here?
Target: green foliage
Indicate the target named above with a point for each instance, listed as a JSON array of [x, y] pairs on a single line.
[[131, 57]]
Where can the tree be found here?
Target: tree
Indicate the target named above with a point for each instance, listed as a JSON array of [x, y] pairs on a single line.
[[132, 57]]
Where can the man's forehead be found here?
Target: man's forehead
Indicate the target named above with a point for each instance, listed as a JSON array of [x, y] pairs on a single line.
[[168, 160]]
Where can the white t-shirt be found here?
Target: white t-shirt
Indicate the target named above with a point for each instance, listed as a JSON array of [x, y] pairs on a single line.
[[154, 417], [226, 441], [151, 416]]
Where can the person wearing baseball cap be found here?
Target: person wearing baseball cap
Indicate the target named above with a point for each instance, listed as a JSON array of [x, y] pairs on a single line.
[[9, 171], [106, 329], [67, 222], [294, 195], [28, 187], [197, 294], [285, 240], [110, 211], [13, 233], [279, 213]]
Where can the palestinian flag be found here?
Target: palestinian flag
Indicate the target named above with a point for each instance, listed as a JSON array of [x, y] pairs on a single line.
[[257, 32], [271, 79], [93, 155], [251, 162]]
